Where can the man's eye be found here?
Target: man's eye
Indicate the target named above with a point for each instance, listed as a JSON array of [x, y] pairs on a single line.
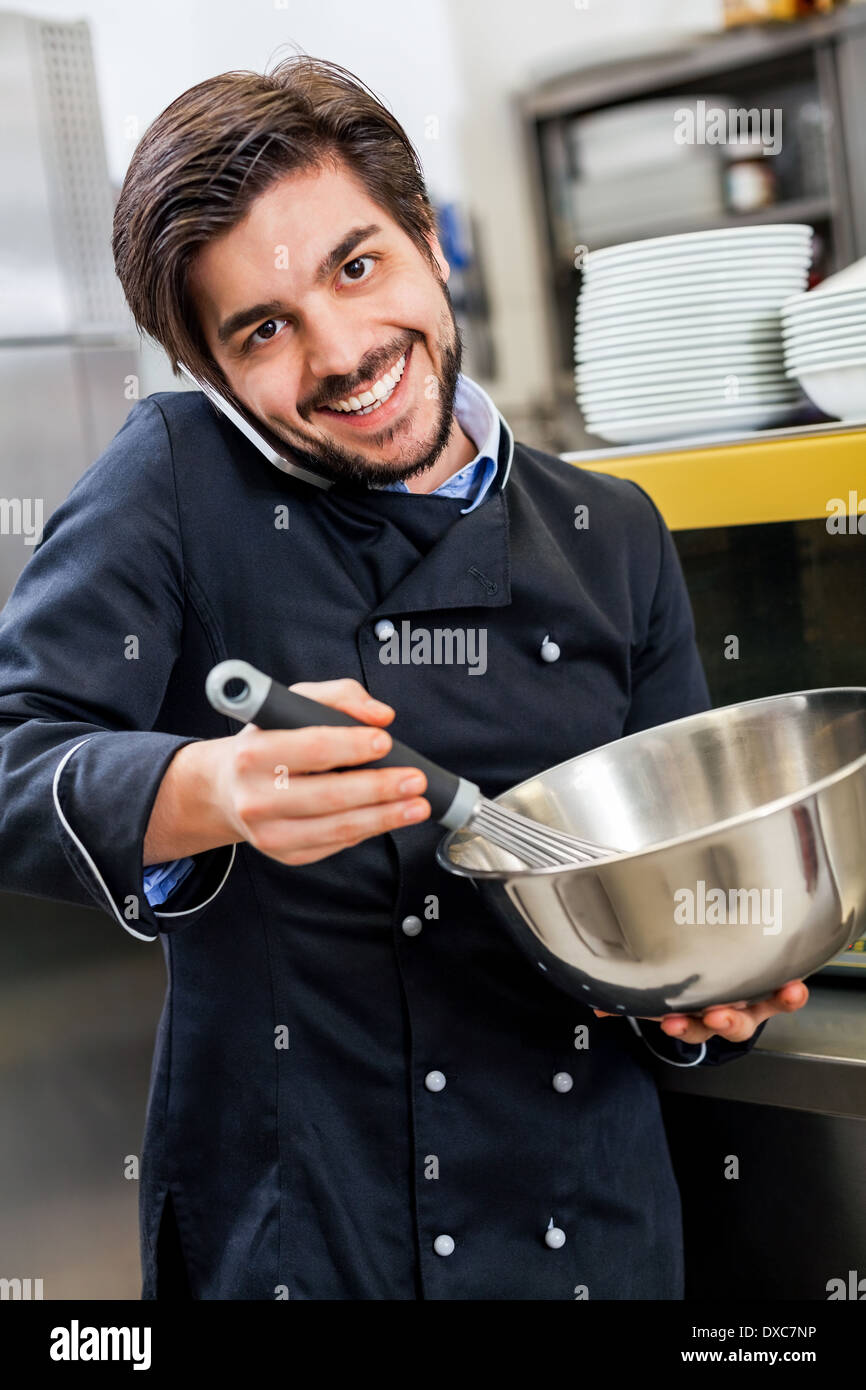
[[352, 267], [268, 329]]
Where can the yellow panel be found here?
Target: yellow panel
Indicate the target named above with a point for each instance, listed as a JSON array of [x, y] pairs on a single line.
[[755, 481]]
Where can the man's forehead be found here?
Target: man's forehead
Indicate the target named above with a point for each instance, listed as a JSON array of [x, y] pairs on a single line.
[[290, 228]]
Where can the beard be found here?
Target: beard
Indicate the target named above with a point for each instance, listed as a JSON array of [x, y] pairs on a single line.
[[345, 465]]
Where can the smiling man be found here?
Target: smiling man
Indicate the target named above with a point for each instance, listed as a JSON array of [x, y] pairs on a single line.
[[360, 1089], [352, 360]]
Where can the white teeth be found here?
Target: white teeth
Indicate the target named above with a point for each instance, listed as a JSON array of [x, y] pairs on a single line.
[[376, 396]]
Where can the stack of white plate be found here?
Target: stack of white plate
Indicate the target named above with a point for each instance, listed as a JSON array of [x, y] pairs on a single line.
[[681, 335], [825, 342]]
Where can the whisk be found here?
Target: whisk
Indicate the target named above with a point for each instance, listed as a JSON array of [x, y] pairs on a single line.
[[455, 802]]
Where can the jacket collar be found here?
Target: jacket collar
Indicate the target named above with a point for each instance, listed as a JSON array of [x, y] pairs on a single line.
[[470, 565]]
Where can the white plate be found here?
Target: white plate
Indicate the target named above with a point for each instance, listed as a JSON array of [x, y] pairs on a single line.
[[702, 292], [706, 405], [683, 369], [838, 391], [680, 426], [618, 382], [821, 323], [811, 303], [793, 269], [833, 345], [713, 388], [650, 349], [594, 319], [804, 342], [646, 322], [716, 261], [655, 338], [769, 232], [851, 280], [824, 359], [742, 359], [686, 404]]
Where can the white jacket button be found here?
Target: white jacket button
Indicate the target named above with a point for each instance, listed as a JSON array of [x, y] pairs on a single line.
[[444, 1245], [411, 925], [555, 1238], [562, 1082], [549, 650], [434, 1081], [384, 629]]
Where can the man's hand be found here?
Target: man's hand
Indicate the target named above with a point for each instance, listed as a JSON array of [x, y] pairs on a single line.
[[313, 810], [734, 1022]]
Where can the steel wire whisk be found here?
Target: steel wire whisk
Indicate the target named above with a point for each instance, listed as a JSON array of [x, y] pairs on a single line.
[[540, 846]]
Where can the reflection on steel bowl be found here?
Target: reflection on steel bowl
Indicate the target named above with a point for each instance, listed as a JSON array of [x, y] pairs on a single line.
[[743, 863]]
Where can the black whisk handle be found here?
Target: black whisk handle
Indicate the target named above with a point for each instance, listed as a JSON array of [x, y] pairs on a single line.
[[268, 705]]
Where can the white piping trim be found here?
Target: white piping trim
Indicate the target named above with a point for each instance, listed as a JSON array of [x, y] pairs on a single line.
[[510, 450], [198, 906], [698, 1059], [98, 876], [71, 833]]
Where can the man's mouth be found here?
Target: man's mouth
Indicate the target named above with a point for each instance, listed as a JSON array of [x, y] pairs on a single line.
[[384, 394]]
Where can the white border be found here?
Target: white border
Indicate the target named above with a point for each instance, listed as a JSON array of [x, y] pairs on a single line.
[[98, 876], [662, 1058]]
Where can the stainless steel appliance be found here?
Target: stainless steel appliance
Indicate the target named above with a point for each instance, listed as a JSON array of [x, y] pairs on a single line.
[[68, 351]]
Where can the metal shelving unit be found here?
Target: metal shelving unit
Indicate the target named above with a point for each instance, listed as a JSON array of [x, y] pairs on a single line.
[[824, 57]]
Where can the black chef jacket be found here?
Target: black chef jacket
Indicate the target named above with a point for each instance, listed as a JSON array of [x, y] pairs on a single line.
[[296, 1136]]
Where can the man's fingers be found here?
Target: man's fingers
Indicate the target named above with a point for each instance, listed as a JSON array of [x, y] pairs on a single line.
[[685, 1027], [739, 1024], [327, 793], [318, 748], [349, 696], [734, 1022], [284, 838], [792, 996]]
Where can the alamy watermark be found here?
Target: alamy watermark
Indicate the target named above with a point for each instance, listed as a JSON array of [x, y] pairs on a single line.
[[710, 907], [853, 1287], [846, 518], [22, 516], [21, 1289], [438, 646], [713, 125], [77, 1343]]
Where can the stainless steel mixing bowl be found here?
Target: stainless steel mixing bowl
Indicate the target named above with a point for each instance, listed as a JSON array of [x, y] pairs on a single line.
[[743, 863]]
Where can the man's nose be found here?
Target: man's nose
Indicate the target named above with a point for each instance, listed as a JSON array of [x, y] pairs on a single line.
[[334, 348]]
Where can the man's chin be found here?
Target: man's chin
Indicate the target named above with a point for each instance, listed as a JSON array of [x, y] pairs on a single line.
[[372, 472], [362, 467]]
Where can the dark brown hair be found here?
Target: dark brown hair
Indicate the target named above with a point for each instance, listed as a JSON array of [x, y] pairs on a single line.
[[217, 147]]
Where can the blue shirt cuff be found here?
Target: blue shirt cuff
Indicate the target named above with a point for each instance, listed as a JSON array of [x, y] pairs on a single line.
[[160, 880]]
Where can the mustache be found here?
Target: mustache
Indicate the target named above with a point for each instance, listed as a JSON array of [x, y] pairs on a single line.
[[336, 388]]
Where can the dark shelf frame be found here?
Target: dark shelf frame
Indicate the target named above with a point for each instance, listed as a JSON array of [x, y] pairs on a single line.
[[837, 43]]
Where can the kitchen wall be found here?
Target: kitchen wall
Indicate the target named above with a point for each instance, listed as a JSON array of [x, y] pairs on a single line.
[[455, 62], [500, 52]]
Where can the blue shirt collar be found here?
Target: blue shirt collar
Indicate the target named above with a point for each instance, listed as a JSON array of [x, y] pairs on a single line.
[[478, 418]]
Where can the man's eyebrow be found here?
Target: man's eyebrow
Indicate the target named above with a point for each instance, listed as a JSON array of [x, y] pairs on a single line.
[[242, 318]]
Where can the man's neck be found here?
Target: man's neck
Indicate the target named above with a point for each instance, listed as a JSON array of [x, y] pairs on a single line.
[[459, 451]]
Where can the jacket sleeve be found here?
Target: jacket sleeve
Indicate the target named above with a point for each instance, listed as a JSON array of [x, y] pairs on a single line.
[[88, 640], [668, 682]]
